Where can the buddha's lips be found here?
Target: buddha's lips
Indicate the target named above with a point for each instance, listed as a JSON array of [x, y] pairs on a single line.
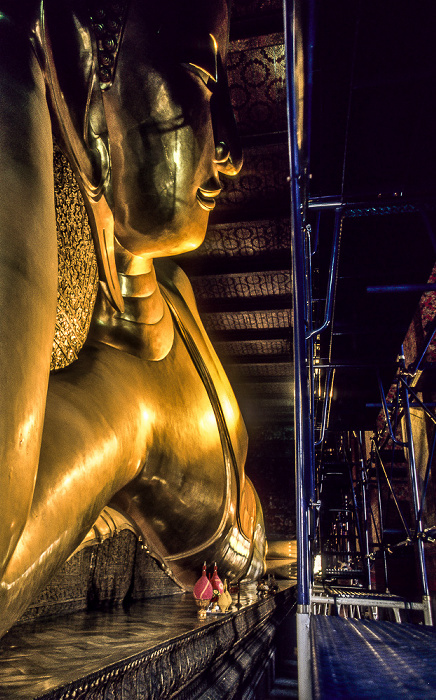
[[206, 198]]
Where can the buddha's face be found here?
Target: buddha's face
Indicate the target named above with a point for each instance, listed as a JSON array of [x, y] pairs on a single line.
[[171, 128]]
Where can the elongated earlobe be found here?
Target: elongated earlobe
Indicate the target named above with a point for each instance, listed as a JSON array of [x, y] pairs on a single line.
[[228, 150], [71, 69]]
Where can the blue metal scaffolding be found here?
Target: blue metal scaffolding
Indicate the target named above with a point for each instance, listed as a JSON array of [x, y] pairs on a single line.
[[315, 380]]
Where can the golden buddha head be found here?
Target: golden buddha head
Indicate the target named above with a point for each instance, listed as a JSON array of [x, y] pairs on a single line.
[[162, 109], [165, 112]]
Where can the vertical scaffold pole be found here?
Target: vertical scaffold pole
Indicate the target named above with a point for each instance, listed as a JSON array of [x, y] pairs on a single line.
[[364, 482], [294, 42], [417, 508]]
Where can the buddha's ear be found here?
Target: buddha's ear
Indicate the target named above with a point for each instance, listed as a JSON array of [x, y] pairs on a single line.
[[70, 63], [225, 130]]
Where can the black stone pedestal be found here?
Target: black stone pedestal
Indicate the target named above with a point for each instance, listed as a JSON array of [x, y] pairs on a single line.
[[152, 649]]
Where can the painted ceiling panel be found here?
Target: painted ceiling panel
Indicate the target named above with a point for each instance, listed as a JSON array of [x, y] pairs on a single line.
[[247, 320], [248, 238], [256, 70], [242, 285]]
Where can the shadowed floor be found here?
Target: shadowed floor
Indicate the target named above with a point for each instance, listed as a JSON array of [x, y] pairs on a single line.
[[374, 660]]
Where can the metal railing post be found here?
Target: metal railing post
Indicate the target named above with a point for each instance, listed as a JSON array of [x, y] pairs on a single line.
[[375, 459], [302, 420], [364, 479], [417, 508]]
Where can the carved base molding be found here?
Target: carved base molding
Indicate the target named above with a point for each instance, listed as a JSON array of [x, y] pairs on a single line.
[[101, 575]]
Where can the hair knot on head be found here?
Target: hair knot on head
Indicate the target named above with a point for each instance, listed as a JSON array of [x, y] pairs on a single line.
[[107, 19]]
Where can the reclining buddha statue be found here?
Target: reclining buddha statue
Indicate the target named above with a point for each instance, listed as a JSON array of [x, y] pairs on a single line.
[[144, 419]]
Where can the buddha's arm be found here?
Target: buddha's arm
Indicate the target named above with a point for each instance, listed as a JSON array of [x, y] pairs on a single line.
[[28, 274], [95, 440], [250, 517]]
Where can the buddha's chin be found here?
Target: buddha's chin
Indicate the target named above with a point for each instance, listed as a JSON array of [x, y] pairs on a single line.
[[166, 241], [183, 244]]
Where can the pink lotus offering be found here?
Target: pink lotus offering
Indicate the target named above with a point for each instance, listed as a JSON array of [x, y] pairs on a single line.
[[203, 593], [216, 582]]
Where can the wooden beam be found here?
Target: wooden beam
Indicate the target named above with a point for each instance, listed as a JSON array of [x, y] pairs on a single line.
[[261, 303], [270, 209], [261, 25], [249, 334], [206, 265], [232, 360]]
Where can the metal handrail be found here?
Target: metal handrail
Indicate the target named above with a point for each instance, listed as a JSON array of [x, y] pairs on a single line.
[[391, 489], [325, 407], [427, 473], [420, 403], [416, 505], [387, 418], [328, 313], [430, 331]]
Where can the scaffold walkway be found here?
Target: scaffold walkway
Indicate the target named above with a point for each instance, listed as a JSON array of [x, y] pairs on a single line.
[[360, 603], [368, 659]]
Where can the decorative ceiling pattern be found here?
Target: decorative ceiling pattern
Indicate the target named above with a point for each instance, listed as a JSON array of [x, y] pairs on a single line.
[[278, 368], [249, 238], [264, 178], [247, 320], [254, 347], [243, 285], [256, 70]]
